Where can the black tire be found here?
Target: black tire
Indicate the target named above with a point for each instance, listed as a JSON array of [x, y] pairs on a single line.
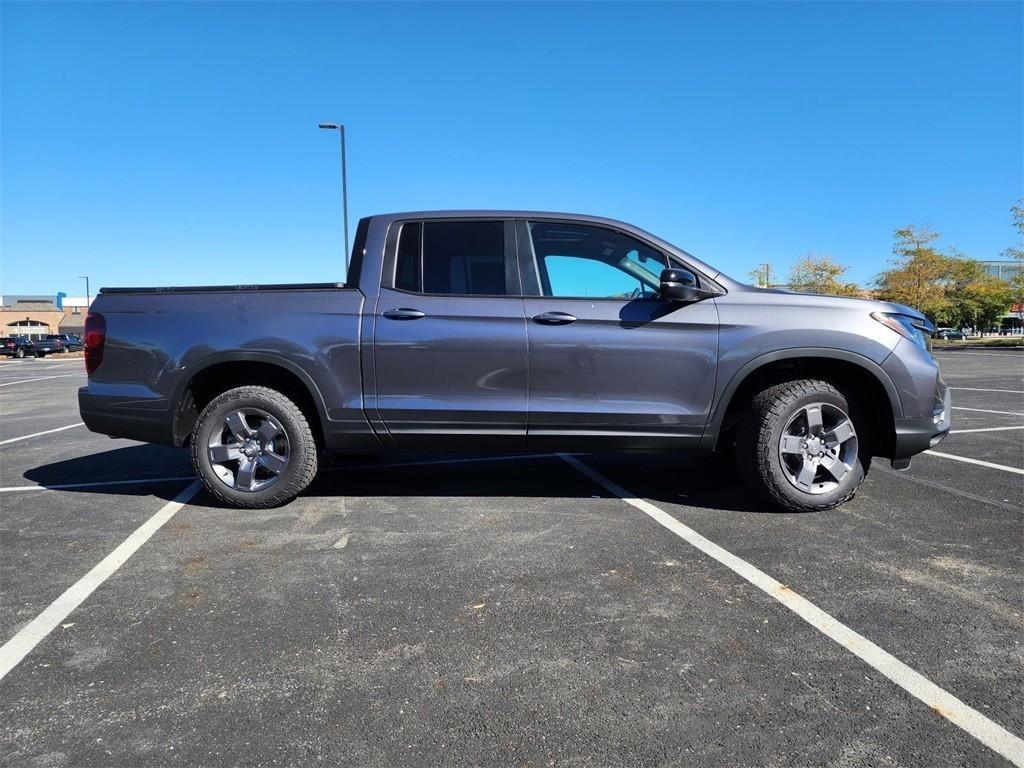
[[301, 465], [759, 454]]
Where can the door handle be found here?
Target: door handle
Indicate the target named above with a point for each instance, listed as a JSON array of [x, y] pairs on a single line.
[[554, 318], [404, 313]]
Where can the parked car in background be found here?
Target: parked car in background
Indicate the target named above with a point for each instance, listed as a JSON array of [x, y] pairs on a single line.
[[17, 346], [48, 346], [505, 330], [948, 334], [71, 342]]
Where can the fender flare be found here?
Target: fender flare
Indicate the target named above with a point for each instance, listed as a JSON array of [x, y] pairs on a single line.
[[243, 356], [711, 432]]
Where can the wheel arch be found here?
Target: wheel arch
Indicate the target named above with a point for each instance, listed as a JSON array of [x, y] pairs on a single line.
[[848, 371], [227, 371]]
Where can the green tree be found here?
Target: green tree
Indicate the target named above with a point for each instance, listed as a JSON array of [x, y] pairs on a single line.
[[820, 274], [919, 274], [762, 276]]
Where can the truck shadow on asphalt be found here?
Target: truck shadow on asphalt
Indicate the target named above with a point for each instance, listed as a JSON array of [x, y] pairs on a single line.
[[694, 481]]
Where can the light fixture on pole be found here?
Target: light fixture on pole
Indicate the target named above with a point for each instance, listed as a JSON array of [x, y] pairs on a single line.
[[340, 128], [87, 297]]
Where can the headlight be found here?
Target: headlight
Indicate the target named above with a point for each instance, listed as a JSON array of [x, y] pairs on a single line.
[[918, 331]]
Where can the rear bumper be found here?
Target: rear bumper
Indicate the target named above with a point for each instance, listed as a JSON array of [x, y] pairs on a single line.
[[150, 421], [916, 435]]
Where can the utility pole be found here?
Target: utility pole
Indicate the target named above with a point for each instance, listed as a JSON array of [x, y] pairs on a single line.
[[767, 276], [340, 128], [87, 296]]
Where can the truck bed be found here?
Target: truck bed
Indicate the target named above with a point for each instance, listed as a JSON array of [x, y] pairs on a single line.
[[229, 288]]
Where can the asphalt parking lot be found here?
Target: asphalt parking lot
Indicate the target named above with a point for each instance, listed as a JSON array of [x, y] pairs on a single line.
[[438, 610]]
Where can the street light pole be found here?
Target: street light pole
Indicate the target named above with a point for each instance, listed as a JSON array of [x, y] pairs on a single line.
[[340, 128], [87, 302]]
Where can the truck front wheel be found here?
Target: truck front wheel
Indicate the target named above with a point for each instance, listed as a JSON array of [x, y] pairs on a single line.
[[253, 448], [803, 445]]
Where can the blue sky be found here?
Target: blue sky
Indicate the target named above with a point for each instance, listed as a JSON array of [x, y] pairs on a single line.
[[163, 143]]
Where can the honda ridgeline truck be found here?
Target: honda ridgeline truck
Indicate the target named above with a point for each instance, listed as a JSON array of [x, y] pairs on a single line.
[[513, 331]]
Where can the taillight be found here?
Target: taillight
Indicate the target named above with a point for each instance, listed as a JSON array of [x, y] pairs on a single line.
[[95, 338]]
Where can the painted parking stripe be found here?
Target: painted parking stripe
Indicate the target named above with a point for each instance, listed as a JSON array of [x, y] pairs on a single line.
[[980, 389], [41, 378], [96, 484], [978, 462], [970, 353], [40, 434], [983, 410], [982, 429], [987, 731], [19, 646]]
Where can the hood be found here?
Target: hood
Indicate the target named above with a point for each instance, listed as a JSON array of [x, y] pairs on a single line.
[[827, 300]]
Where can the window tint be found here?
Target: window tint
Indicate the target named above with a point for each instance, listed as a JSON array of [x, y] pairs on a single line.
[[465, 257], [577, 260], [407, 272]]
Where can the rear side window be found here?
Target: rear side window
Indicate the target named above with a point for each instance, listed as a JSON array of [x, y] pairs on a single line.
[[452, 257]]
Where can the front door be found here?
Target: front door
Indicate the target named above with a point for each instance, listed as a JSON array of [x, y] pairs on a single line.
[[610, 361], [449, 340]]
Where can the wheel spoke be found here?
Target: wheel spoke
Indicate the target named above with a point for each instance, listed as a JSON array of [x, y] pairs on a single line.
[[835, 467], [272, 462], [268, 431], [791, 444], [246, 476], [839, 434], [236, 423], [221, 453], [813, 415], [807, 472]]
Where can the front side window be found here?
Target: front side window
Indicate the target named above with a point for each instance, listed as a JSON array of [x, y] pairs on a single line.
[[583, 261], [452, 257]]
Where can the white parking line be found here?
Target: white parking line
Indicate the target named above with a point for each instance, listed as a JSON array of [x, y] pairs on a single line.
[[97, 484], [983, 410], [979, 462], [988, 732], [19, 646], [41, 378], [982, 429], [969, 353], [980, 389], [39, 434]]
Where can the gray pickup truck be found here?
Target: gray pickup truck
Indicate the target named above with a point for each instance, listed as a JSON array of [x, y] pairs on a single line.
[[512, 331]]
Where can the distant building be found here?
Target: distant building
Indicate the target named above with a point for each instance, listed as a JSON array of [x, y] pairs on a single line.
[[38, 316], [1004, 269]]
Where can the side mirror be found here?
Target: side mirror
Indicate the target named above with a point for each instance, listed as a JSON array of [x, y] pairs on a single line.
[[680, 285]]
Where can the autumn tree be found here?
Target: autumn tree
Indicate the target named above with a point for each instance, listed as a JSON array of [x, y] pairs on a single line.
[[820, 274], [920, 273]]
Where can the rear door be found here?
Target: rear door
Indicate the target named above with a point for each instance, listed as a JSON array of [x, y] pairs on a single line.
[[449, 338], [611, 363]]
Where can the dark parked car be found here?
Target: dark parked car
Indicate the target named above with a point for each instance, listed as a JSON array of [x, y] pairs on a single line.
[[71, 342], [948, 334], [48, 346], [504, 330], [17, 346]]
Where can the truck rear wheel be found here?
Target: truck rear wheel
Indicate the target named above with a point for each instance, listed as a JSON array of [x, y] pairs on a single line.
[[803, 446], [252, 447]]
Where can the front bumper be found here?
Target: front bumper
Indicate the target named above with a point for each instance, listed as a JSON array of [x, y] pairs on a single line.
[[916, 435]]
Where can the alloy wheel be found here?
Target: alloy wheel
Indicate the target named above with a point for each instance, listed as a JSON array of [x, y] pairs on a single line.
[[250, 450], [818, 448]]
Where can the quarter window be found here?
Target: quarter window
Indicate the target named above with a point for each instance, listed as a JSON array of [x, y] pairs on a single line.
[[582, 261]]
